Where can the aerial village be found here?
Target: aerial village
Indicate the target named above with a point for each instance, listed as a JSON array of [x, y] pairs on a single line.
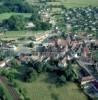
[[57, 50]]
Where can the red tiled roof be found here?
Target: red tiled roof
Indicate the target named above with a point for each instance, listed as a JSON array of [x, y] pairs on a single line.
[[62, 42], [87, 78]]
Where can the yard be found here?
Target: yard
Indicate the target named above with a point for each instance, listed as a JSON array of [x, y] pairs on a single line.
[[43, 90]]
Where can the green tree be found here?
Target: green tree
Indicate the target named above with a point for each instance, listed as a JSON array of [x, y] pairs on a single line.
[[15, 22], [69, 72], [62, 79]]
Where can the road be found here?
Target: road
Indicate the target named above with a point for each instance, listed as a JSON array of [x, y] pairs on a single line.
[[11, 89]]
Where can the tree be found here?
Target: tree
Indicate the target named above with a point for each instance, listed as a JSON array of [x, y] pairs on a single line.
[[62, 79], [14, 64], [40, 25], [70, 74], [16, 6], [11, 76], [33, 76], [15, 22], [29, 74], [31, 45]]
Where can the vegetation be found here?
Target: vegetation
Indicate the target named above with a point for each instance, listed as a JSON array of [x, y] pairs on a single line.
[[40, 25], [43, 89], [79, 3], [5, 16], [19, 34], [14, 23], [16, 6], [43, 80], [18, 22], [4, 94], [4, 54], [82, 19]]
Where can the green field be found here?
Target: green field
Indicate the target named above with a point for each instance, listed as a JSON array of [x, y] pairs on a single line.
[[79, 3], [7, 15], [43, 90], [15, 34], [73, 3]]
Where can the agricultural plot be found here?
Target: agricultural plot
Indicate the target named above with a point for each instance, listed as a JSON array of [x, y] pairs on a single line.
[[79, 3], [16, 34], [4, 16]]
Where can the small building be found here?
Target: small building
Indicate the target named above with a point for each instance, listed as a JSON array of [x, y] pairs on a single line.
[[85, 77], [30, 25], [24, 50], [2, 64], [63, 62], [85, 51]]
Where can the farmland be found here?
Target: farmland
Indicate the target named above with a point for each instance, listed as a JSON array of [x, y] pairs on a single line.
[[72, 3], [79, 3], [4, 16], [17, 34]]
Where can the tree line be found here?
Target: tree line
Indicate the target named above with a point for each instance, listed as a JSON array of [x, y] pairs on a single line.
[[18, 22], [18, 6]]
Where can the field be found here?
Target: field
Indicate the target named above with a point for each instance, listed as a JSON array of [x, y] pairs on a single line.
[[43, 90], [79, 3], [7, 15], [73, 3], [16, 34]]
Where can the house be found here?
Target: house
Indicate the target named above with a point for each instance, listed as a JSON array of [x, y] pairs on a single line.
[[51, 42], [2, 64], [23, 58], [91, 91], [30, 25], [85, 51], [62, 42], [63, 62], [74, 44], [85, 77], [86, 60], [76, 56], [96, 45], [23, 50]]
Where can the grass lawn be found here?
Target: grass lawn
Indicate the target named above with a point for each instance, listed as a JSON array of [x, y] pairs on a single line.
[[7, 15], [79, 3], [43, 90]]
